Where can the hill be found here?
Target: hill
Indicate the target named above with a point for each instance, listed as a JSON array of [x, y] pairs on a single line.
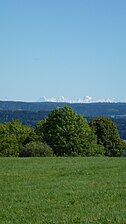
[[86, 109]]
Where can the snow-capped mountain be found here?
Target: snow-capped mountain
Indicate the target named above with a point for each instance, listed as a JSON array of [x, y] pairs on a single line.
[[86, 99]]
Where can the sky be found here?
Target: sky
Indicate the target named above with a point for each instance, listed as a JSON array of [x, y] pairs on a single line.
[[70, 48]]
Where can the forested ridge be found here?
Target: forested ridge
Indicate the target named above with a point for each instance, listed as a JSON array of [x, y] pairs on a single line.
[[86, 109]]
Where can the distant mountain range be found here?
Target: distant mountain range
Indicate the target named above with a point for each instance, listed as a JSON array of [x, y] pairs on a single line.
[[86, 109], [86, 99]]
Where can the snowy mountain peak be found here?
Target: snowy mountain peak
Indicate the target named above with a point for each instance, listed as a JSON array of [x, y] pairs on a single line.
[[86, 99]]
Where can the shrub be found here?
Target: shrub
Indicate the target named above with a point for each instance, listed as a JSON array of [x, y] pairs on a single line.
[[36, 149]]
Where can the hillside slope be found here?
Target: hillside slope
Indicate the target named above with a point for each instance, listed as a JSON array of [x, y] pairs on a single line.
[[86, 109]]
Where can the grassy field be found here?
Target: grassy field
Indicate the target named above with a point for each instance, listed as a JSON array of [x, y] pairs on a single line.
[[62, 190]]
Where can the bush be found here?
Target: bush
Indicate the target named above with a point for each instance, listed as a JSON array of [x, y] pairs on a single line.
[[36, 149]]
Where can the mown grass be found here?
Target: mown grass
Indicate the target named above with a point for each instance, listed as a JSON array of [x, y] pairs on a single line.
[[62, 190]]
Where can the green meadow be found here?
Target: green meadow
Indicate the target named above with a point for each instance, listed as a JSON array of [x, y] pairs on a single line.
[[63, 190]]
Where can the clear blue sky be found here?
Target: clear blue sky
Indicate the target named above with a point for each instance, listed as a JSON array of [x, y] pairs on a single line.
[[72, 48]]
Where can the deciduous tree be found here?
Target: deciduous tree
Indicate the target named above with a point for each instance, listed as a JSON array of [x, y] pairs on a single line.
[[108, 136], [68, 133]]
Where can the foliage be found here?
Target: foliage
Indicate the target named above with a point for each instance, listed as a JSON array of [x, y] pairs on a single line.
[[30, 117], [36, 149], [39, 129], [9, 146], [13, 136], [23, 133], [67, 133], [8, 142], [107, 135]]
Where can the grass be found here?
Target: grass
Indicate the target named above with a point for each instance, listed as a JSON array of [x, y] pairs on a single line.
[[62, 190]]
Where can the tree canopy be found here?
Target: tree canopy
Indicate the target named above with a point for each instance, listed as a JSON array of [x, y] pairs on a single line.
[[108, 136], [62, 133], [13, 136], [68, 133]]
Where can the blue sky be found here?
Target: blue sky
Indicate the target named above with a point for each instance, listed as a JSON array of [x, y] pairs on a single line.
[[72, 48]]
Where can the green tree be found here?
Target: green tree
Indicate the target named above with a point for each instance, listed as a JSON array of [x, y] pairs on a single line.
[[13, 136], [8, 142], [9, 146], [108, 136], [67, 133], [39, 129], [23, 133]]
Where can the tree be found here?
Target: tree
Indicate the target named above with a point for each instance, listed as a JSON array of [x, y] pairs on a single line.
[[13, 136], [108, 136], [67, 133], [9, 146], [8, 143], [23, 133], [39, 129]]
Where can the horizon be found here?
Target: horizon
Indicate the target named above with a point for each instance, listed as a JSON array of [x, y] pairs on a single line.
[[85, 100], [62, 48]]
